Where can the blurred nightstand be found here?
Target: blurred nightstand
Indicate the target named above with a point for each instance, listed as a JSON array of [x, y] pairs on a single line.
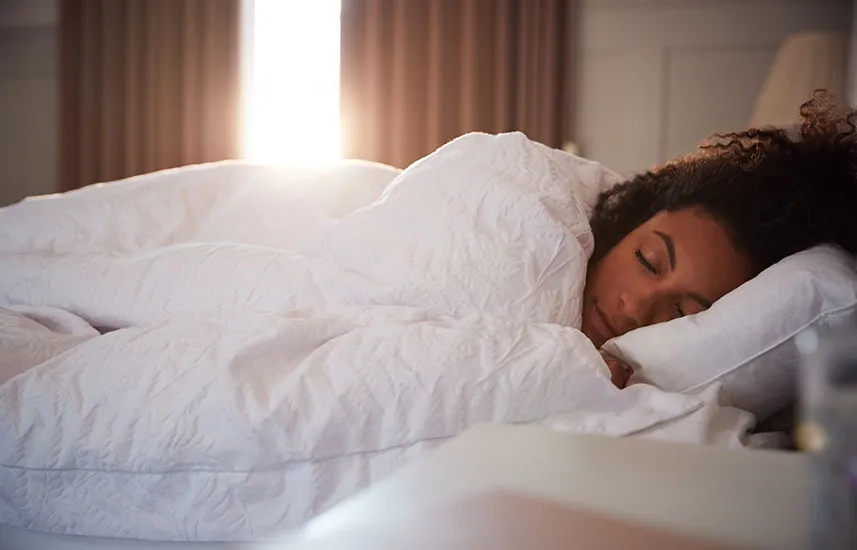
[[523, 487]]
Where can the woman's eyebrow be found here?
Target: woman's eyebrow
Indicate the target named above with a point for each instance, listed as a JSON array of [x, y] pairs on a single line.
[[670, 247]]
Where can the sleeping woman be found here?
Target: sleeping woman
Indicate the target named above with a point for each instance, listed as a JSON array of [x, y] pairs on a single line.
[[671, 241]]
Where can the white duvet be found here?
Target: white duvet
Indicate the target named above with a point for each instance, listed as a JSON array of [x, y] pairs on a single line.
[[221, 352]]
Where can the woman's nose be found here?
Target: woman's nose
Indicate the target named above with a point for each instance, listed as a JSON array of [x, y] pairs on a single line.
[[645, 306], [633, 309]]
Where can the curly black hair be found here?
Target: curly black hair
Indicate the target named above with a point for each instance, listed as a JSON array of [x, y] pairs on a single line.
[[775, 194]]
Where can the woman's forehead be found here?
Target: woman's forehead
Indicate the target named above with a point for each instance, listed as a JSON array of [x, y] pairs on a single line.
[[704, 250]]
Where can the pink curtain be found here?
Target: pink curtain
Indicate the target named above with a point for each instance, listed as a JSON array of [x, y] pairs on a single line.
[[146, 85], [417, 73]]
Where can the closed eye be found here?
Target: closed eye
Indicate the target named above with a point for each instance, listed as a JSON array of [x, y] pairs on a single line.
[[645, 263], [680, 312]]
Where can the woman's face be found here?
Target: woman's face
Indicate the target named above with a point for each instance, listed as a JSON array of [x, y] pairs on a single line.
[[675, 264]]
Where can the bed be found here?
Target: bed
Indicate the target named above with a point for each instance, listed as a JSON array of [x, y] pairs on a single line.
[[188, 229], [159, 342]]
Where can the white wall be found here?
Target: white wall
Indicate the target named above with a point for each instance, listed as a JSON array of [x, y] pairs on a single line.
[[28, 98], [656, 77]]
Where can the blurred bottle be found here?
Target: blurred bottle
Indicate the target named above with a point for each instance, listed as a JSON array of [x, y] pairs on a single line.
[[828, 432]]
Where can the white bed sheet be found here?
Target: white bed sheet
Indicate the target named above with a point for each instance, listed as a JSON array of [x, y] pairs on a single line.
[[14, 538]]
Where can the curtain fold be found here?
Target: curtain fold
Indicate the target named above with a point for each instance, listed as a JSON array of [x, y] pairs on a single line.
[[146, 85], [417, 73]]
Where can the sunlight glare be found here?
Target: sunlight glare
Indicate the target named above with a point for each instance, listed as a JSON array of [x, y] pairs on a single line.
[[293, 97]]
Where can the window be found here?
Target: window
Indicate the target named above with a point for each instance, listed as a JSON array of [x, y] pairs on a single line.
[[292, 80]]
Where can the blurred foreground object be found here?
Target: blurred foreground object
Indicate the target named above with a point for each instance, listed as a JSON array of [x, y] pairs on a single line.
[[828, 430], [527, 487]]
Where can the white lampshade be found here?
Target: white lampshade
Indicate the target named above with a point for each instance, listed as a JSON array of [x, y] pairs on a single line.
[[805, 62]]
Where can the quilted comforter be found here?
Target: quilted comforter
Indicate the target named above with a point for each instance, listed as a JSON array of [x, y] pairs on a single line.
[[221, 352]]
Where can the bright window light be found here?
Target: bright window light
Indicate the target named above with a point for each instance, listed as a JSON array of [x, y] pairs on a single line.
[[292, 94]]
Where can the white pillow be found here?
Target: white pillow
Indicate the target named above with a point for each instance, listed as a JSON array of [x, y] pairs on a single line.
[[745, 340]]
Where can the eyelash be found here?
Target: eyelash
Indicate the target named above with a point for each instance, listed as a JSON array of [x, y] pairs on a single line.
[[645, 263], [651, 269]]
